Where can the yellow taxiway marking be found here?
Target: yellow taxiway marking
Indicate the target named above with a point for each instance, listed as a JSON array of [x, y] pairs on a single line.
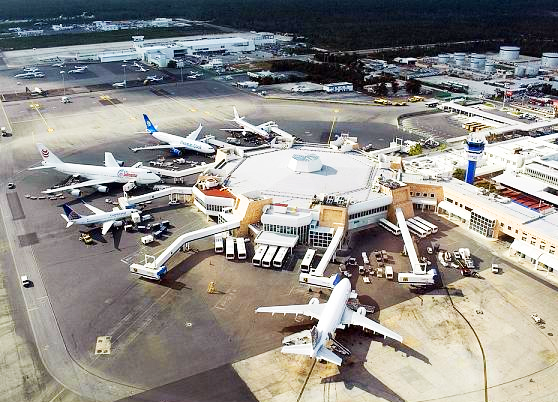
[[193, 110], [6, 116], [123, 109], [36, 107]]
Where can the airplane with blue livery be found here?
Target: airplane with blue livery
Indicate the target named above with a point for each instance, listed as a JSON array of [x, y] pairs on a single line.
[[107, 219], [333, 315], [176, 143]]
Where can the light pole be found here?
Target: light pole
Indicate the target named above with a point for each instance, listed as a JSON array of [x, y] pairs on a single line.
[[332, 124], [63, 81], [181, 75], [124, 65]]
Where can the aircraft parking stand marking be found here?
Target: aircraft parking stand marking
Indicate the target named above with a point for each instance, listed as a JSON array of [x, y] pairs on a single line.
[[6, 116], [123, 109], [36, 107]]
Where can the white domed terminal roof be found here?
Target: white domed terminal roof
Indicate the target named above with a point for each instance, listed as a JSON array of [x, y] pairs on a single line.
[[305, 163]]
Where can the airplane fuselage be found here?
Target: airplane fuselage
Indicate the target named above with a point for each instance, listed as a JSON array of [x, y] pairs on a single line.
[[333, 313], [104, 217], [181, 142], [116, 174]]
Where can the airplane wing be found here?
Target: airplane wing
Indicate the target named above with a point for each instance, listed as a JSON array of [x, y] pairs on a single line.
[[327, 355], [41, 167], [106, 227], [310, 310], [93, 209], [78, 185], [351, 317], [110, 161], [265, 125], [233, 129], [157, 147], [194, 134], [307, 350]]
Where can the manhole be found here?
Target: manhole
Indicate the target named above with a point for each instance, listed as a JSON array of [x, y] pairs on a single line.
[[103, 345]]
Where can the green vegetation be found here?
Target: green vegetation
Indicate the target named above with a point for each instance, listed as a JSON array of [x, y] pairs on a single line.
[[322, 72], [83, 38], [459, 173], [415, 150], [339, 24], [413, 87]]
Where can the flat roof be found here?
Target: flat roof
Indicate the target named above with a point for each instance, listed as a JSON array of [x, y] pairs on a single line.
[[528, 185], [347, 174], [276, 239]]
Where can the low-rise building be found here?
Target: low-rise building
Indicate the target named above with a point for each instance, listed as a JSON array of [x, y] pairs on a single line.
[[338, 87]]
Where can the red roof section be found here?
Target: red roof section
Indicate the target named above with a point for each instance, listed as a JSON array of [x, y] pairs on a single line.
[[218, 192]]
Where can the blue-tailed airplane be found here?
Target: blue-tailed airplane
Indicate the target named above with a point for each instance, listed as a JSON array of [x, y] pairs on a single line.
[[175, 143]]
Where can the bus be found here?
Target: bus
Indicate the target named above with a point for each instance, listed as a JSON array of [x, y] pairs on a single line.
[[219, 243], [390, 227], [307, 261], [259, 255], [268, 257], [420, 225], [229, 248], [241, 248], [416, 230], [280, 257], [424, 222], [365, 260]]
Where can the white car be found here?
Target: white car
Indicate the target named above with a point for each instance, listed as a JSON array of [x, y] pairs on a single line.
[[119, 84], [26, 282], [174, 202]]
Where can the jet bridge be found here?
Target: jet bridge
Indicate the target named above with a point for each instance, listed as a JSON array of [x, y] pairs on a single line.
[[125, 202], [181, 173], [154, 268], [316, 275], [418, 274]]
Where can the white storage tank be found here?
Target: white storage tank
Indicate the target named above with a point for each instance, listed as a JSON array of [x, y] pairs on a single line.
[[509, 53], [520, 71], [490, 67], [443, 58], [532, 70], [459, 59], [478, 61], [549, 60]]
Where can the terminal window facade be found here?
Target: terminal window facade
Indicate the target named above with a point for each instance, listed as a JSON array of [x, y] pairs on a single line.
[[553, 179], [482, 225], [301, 231], [210, 207], [320, 239], [368, 212]]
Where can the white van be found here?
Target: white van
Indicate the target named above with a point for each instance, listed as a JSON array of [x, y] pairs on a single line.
[[147, 239], [389, 272], [65, 99]]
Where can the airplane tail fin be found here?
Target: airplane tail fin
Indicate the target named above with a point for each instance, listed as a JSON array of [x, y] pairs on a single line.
[[194, 134], [150, 127], [327, 355], [47, 155], [236, 116], [71, 215]]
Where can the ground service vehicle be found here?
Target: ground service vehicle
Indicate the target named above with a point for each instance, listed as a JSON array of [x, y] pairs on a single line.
[[307, 260]]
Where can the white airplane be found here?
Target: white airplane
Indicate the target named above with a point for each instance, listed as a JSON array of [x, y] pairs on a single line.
[[107, 219], [30, 69], [331, 316], [58, 65], [248, 127], [153, 78], [141, 69], [176, 142], [98, 176], [81, 67], [30, 75], [121, 84], [77, 71]]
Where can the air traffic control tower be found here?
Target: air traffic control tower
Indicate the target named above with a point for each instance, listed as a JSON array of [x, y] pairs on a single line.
[[474, 149]]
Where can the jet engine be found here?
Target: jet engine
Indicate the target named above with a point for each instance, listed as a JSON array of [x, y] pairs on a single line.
[[176, 151], [314, 300], [117, 224], [361, 311], [75, 192], [101, 189]]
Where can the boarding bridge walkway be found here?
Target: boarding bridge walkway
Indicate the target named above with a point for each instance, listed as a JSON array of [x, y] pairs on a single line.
[[181, 173], [154, 268], [419, 276], [153, 195], [316, 274], [409, 245]]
